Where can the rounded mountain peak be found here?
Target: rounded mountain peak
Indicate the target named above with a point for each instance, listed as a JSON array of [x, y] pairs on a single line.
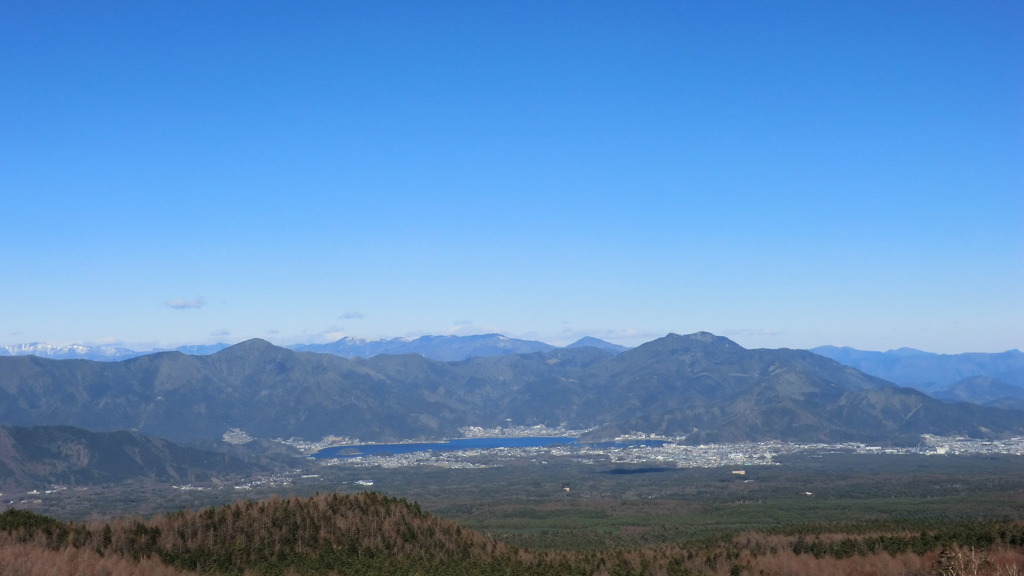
[[252, 343], [253, 346], [702, 336]]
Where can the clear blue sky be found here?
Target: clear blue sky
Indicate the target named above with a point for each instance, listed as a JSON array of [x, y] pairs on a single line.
[[783, 173]]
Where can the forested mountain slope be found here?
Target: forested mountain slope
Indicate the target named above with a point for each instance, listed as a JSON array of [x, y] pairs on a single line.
[[41, 456], [702, 385]]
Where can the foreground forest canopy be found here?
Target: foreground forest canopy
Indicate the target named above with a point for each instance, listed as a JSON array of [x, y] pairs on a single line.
[[370, 534]]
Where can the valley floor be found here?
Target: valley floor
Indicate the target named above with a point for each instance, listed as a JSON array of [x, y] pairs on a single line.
[[813, 513], [564, 503]]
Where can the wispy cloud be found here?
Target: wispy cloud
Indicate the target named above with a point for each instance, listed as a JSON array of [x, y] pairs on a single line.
[[184, 303], [273, 331], [352, 316], [221, 332], [467, 328], [104, 341], [751, 332], [330, 334]]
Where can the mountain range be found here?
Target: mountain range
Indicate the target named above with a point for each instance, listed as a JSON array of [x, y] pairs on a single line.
[[97, 353], [700, 385], [445, 348], [927, 371], [79, 351]]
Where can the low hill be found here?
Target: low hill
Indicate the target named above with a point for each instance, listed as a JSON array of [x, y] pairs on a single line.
[[366, 534], [40, 456]]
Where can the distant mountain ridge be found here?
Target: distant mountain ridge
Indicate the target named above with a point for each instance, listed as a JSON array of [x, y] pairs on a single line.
[[198, 349], [700, 385], [927, 371], [97, 353], [73, 351], [444, 348], [596, 343]]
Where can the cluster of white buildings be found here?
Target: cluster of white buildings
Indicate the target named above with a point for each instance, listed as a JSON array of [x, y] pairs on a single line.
[[308, 447], [671, 453], [443, 459], [959, 445], [266, 481], [510, 431]]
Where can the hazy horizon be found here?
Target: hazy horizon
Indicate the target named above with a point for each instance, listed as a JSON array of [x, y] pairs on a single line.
[[558, 343]]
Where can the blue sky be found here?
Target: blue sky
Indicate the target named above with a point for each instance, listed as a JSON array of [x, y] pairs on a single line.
[[786, 173]]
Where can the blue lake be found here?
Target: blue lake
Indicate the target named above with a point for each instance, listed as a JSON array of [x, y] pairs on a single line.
[[470, 443]]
